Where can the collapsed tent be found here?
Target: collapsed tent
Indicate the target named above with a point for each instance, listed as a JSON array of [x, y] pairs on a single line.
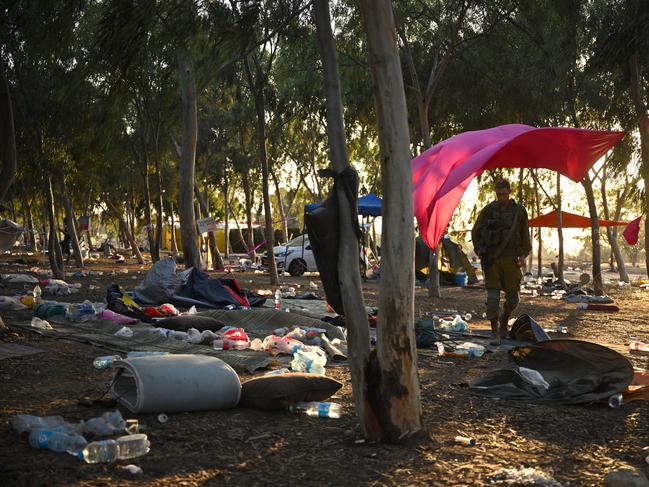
[[560, 372], [452, 260], [368, 205], [569, 220], [442, 173]]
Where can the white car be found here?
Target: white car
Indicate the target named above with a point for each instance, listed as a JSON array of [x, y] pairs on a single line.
[[296, 257]]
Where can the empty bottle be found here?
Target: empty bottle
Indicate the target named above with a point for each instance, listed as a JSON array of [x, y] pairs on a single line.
[[105, 361], [125, 447], [319, 409], [37, 295], [278, 299], [636, 345], [80, 312], [109, 423], [56, 440], [463, 440], [26, 422], [132, 446]]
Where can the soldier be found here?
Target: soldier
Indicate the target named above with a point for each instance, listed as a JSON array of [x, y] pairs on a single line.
[[501, 238]]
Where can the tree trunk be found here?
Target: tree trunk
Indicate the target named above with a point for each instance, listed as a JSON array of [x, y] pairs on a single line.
[[611, 235], [70, 222], [241, 239], [434, 289], [8, 157], [598, 285], [560, 233], [280, 207], [150, 236], [226, 217], [637, 96], [53, 244], [174, 244], [263, 156], [248, 198], [348, 265], [29, 217], [397, 397], [217, 260], [130, 238], [191, 254]]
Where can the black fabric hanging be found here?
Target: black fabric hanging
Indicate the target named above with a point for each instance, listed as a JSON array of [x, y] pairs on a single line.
[[323, 227]]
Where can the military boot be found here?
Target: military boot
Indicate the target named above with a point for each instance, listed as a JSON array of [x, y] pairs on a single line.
[[495, 334], [504, 322]]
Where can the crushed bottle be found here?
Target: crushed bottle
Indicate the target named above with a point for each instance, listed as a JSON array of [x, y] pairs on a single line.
[[317, 409]]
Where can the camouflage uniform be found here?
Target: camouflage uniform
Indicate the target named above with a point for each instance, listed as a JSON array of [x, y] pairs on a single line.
[[501, 272]]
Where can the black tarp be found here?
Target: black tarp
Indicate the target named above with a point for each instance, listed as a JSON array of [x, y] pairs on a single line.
[[323, 227], [525, 329], [576, 372], [202, 290]]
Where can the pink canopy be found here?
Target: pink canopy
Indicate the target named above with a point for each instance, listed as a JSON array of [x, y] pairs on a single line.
[[443, 172]]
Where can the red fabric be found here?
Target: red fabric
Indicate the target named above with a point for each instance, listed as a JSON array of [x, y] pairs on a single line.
[[632, 231], [442, 173], [569, 220]]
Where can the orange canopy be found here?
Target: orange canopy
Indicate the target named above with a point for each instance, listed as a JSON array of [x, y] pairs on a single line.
[[569, 220]]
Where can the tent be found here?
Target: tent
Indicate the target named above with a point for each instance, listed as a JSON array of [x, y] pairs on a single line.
[[452, 260], [569, 220], [368, 205], [442, 173]]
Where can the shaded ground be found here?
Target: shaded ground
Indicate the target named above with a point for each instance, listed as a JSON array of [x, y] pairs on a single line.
[[578, 445]]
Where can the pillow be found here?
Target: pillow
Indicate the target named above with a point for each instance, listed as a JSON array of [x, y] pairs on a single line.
[[185, 322], [275, 392]]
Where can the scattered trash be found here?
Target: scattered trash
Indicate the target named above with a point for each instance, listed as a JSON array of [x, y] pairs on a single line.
[[41, 324], [463, 440], [123, 448], [615, 401], [9, 303], [281, 371], [132, 469], [83, 311], [598, 307], [457, 324], [317, 409], [534, 377], [105, 361], [526, 476], [23, 423], [561, 329], [638, 346], [57, 440], [625, 477], [109, 423], [312, 361], [111, 315], [162, 418], [232, 339], [124, 332], [278, 299]]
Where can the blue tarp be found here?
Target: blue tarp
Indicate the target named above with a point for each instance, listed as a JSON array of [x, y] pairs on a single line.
[[369, 205]]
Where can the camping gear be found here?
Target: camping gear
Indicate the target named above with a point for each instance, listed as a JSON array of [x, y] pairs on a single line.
[[442, 173], [202, 290], [567, 372], [569, 220], [160, 283], [275, 392], [451, 261], [525, 329], [9, 233], [175, 383]]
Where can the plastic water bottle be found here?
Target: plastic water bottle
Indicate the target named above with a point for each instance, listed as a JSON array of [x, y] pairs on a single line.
[[104, 451], [125, 447], [109, 423], [26, 422], [105, 361], [80, 312], [278, 299], [57, 441], [37, 295], [319, 409], [132, 446]]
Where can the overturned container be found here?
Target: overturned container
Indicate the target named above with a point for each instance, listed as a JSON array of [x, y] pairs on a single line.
[[175, 383]]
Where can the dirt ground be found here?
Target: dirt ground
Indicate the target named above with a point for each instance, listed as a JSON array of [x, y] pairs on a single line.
[[575, 445]]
